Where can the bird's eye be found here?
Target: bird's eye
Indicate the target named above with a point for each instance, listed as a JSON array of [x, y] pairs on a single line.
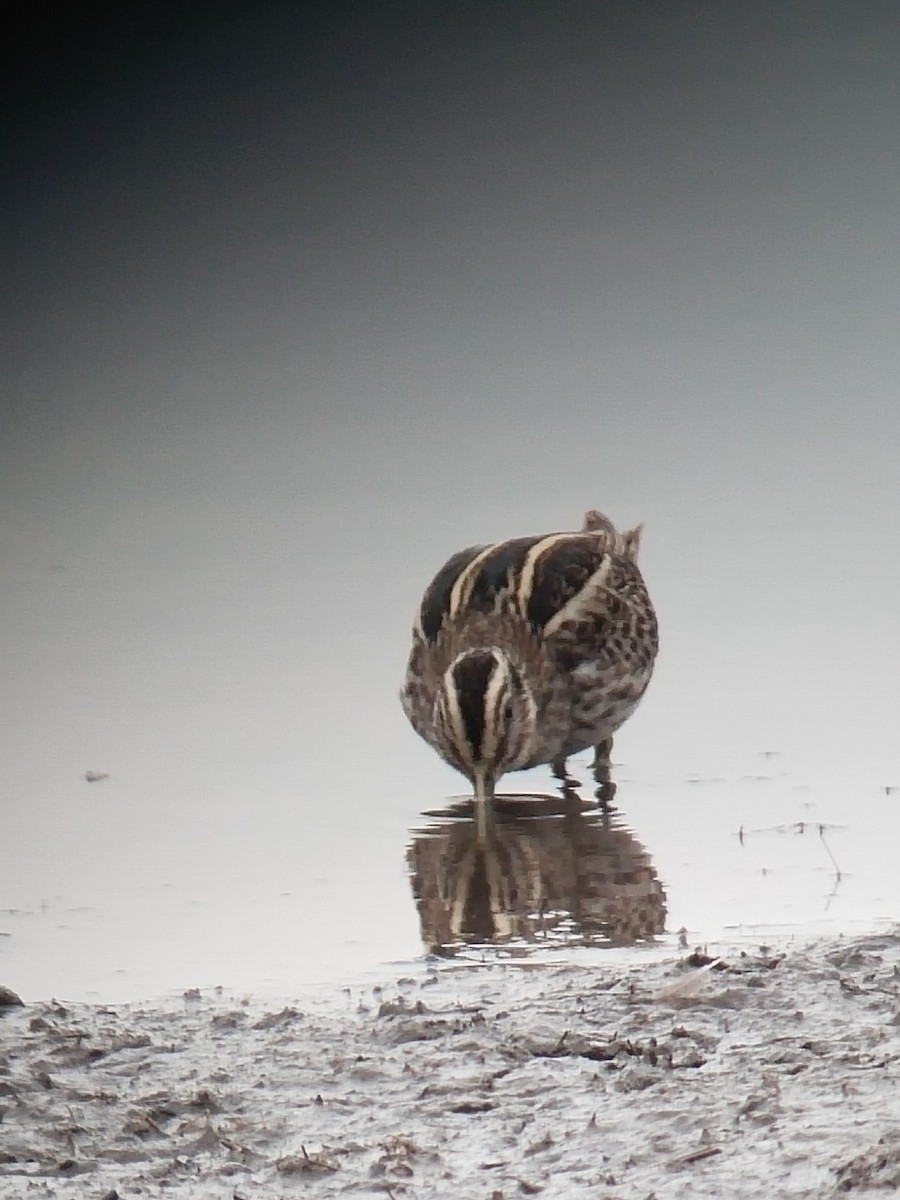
[[508, 711]]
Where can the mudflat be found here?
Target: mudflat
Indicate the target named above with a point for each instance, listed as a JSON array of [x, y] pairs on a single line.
[[771, 1073]]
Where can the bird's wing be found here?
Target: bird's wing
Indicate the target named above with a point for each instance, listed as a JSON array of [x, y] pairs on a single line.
[[556, 575], [435, 604], [593, 607]]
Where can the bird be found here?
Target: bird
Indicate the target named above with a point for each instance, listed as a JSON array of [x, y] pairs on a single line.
[[530, 650]]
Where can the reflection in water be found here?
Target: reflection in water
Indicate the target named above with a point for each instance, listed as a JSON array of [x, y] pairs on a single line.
[[534, 871]]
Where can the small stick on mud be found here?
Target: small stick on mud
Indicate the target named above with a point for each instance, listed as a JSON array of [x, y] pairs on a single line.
[[695, 1156]]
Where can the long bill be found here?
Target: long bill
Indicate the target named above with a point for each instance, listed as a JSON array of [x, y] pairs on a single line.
[[484, 786], [484, 803]]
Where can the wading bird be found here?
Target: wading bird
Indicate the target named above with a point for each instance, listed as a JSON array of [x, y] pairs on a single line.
[[531, 650]]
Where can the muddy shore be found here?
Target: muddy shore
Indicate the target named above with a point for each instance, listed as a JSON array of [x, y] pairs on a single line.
[[769, 1074]]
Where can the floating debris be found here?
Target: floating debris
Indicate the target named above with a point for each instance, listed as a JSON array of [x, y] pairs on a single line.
[[689, 985]]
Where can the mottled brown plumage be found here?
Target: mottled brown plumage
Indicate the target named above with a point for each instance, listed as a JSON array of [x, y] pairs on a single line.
[[530, 650]]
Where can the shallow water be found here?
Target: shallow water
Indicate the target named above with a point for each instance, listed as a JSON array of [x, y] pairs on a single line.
[[255, 877]]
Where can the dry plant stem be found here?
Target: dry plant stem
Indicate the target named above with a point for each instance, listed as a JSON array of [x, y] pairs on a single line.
[[828, 852]]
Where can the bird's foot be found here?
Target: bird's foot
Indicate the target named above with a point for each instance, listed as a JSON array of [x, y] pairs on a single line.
[[606, 789], [604, 795], [569, 782]]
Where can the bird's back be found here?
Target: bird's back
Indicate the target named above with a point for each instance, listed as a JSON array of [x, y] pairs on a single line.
[[572, 603], [567, 587]]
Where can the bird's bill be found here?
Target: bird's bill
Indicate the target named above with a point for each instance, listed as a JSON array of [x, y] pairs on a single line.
[[484, 805], [484, 786]]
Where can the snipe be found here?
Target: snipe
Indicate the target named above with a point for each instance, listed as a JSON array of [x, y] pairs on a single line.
[[531, 650]]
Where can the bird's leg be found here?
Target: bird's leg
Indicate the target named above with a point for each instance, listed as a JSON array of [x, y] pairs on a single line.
[[606, 789], [559, 770]]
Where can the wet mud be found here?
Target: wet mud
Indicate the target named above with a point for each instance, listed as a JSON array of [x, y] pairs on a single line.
[[764, 1074]]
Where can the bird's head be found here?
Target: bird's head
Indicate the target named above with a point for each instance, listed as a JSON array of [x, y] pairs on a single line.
[[485, 717]]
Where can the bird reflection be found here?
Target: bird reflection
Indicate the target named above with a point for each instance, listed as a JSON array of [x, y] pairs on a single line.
[[532, 871]]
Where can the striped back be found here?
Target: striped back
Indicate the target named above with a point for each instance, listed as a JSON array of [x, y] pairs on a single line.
[[537, 577]]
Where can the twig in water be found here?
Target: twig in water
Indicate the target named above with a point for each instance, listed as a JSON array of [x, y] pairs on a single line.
[[830, 855]]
